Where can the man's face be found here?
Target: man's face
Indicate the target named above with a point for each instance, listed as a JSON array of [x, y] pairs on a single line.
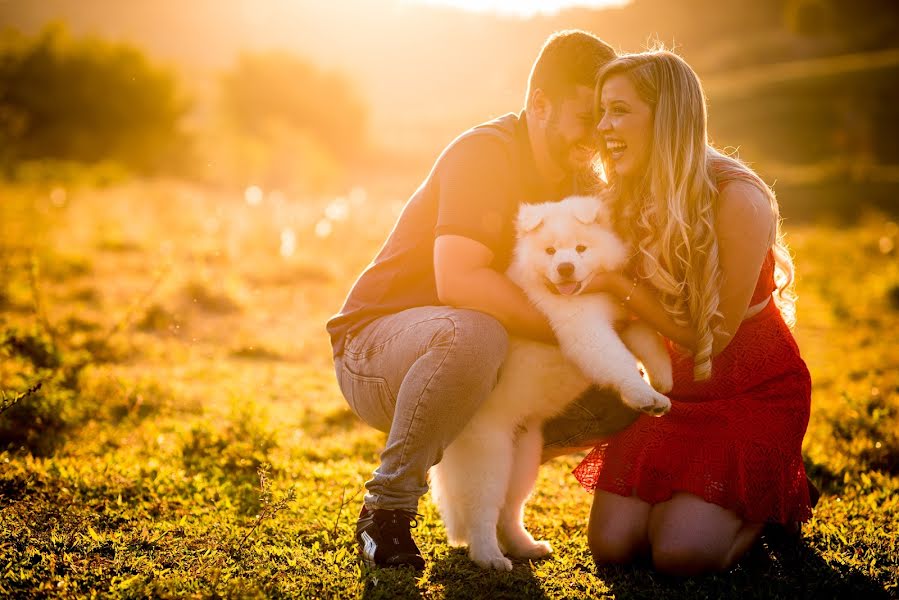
[[570, 131]]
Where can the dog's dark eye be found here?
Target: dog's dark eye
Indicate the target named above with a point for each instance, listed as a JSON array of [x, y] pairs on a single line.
[[581, 249], [550, 250]]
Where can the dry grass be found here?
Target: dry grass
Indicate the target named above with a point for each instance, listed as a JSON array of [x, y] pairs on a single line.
[[178, 337]]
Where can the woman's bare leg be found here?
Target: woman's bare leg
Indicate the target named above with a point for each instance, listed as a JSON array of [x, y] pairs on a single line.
[[690, 536], [618, 528]]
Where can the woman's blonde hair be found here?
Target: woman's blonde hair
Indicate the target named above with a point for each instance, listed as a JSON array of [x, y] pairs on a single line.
[[669, 215]]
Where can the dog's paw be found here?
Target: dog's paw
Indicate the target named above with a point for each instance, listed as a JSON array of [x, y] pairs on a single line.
[[647, 400], [490, 559], [537, 549], [660, 406], [517, 542], [662, 380]]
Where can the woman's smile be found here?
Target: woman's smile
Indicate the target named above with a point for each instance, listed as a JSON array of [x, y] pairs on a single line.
[[615, 148], [625, 126]]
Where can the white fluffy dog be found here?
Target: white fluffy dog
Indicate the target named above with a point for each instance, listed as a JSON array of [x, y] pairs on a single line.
[[487, 473]]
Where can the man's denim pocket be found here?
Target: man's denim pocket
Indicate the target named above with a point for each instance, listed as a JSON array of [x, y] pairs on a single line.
[[368, 396]]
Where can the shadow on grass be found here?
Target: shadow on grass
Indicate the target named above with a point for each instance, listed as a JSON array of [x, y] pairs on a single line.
[[827, 480], [775, 568], [457, 577], [388, 584], [460, 578]]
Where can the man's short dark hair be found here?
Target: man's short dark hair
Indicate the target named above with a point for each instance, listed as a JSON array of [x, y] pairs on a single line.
[[568, 59]]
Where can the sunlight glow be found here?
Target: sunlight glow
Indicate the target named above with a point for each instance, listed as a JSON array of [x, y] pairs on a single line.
[[253, 195], [522, 8], [288, 242], [323, 228], [338, 210], [58, 197]]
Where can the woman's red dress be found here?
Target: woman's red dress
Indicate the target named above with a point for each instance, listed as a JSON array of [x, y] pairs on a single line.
[[734, 440]]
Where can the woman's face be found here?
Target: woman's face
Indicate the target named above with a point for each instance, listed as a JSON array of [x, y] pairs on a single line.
[[625, 126]]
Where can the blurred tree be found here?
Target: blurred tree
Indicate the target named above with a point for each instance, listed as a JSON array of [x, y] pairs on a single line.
[[808, 17], [287, 89], [861, 24], [86, 100], [295, 121]]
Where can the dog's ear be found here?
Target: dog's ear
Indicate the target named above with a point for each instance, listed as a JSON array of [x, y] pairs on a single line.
[[585, 209], [591, 209], [530, 217]]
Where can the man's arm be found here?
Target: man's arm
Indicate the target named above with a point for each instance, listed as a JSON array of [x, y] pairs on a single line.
[[465, 280]]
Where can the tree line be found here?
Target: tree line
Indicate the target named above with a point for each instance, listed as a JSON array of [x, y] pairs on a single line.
[[86, 100]]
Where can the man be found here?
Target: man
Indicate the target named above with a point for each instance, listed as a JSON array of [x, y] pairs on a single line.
[[421, 337]]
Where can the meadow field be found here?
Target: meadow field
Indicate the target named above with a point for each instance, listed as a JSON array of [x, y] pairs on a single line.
[[171, 426]]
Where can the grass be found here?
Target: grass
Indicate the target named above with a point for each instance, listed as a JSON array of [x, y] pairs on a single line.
[[171, 426]]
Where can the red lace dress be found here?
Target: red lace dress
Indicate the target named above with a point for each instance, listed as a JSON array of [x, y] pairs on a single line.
[[734, 440]]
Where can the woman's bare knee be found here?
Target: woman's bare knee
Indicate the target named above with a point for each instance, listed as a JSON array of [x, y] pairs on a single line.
[[690, 536], [616, 539], [674, 557], [617, 530], [618, 551]]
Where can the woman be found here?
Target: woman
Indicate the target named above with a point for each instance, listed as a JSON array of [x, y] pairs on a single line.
[[711, 273]]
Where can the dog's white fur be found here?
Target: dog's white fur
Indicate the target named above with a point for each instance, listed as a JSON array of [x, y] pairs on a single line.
[[487, 473]]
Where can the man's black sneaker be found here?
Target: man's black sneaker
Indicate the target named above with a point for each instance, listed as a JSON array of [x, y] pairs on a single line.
[[384, 538]]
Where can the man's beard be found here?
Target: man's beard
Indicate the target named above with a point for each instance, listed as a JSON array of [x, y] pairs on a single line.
[[560, 148]]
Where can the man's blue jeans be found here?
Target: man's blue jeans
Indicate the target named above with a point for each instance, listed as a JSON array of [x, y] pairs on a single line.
[[419, 375]]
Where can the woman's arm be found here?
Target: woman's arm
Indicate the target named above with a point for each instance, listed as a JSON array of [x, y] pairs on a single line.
[[642, 300], [745, 228]]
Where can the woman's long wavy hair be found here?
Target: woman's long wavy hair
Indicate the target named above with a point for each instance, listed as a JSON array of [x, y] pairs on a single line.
[[668, 213]]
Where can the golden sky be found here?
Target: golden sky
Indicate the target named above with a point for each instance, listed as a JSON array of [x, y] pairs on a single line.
[[523, 8]]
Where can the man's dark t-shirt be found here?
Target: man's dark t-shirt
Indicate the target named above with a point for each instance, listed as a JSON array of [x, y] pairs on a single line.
[[473, 191]]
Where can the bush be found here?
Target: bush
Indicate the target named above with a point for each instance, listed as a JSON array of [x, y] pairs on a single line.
[[296, 94], [40, 403], [87, 101], [288, 124]]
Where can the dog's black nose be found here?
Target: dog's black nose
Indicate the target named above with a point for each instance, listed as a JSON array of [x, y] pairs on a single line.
[[565, 269]]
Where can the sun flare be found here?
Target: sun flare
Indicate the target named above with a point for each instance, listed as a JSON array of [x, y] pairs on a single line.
[[522, 8]]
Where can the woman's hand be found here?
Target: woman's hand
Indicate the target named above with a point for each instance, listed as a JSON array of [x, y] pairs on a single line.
[[605, 283], [640, 299]]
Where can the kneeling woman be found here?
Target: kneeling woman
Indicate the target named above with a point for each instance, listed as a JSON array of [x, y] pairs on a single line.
[[711, 273]]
